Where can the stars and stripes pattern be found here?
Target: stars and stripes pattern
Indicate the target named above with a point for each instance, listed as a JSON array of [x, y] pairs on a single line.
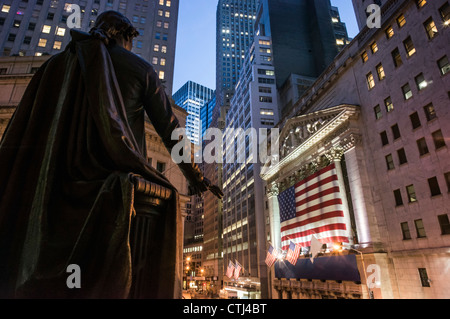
[[272, 255], [313, 206], [237, 270], [293, 253], [230, 270]]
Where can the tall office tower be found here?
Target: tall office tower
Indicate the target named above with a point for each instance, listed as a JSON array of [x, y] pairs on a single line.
[[41, 27], [235, 30], [206, 114], [192, 97], [306, 37], [253, 106]]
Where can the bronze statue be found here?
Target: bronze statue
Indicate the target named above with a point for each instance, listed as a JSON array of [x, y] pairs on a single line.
[[68, 162]]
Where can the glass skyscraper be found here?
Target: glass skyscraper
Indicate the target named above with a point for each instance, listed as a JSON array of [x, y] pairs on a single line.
[[192, 97]]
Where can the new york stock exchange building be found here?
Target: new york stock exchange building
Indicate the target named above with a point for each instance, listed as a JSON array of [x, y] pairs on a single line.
[[364, 167]]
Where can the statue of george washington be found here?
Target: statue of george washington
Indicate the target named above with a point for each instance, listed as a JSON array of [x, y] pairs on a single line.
[[69, 162]]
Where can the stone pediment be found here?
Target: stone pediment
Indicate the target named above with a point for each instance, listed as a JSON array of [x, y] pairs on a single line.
[[299, 129]]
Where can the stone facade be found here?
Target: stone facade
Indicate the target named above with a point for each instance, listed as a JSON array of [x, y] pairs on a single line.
[[401, 232]]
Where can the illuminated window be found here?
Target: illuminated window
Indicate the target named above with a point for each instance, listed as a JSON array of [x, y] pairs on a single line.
[[401, 21], [389, 105], [380, 71], [166, 25], [420, 82], [409, 46], [46, 29], [445, 13], [57, 45], [163, 61], [389, 32], [161, 2], [163, 49], [42, 43], [168, 3], [266, 112], [60, 31], [161, 75], [156, 47], [430, 112], [159, 24], [444, 66], [364, 57], [420, 3], [374, 47], [431, 28], [160, 13], [155, 60], [340, 42], [411, 193], [407, 94], [5, 8], [370, 81], [167, 14]]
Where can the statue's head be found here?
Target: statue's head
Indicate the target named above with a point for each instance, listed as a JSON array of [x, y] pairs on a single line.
[[112, 25]]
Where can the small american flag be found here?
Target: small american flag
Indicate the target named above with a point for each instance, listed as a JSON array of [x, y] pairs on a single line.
[[313, 206], [237, 270], [230, 270], [272, 254], [293, 253]]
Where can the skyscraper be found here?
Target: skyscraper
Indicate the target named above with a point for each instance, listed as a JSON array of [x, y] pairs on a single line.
[[40, 27], [192, 97]]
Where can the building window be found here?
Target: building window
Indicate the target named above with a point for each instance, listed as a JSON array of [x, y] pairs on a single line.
[[398, 198], [156, 47], [438, 139], [265, 99], [57, 45], [409, 46], [401, 21], [374, 47], [422, 146], [161, 75], [162, 62], [407, 93], [26, 40], [415, 120], [444, 223], [430, 112], [444, 66], [46, 29], [420, 228], [384, 138], [389, 32], [430, 28], [50, 16], [42, 43], [167, 14], [411, 193], [166, 25], [402, 156], [154, 60], [380, 71], [163, 49], [389, 105], [6, 8], [364, 57], [377, 110], [395, 131], [423, 275], [447, 180], [405, 231], [445, 13], [420, 82], [434, 186], [160, 166], [60, 31], [370, 81], [397, 57], [263, 89], [420, 3], [389, 162]]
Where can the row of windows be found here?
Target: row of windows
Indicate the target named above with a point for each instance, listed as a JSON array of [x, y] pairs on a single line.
[[443, 221], [433, 185]]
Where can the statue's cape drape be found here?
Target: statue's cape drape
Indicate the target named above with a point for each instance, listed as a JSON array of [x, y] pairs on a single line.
[[65, 192]]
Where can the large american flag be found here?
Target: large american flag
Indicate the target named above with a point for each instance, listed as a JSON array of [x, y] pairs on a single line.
[[313, 206], [237, 270]]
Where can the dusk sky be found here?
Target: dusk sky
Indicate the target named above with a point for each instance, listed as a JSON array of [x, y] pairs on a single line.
[[196, 40]]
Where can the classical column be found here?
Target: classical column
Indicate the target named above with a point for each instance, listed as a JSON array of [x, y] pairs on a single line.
[[274, 215], [334, 156]]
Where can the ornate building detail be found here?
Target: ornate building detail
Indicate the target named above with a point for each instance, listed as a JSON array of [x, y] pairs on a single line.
[[334, 154]]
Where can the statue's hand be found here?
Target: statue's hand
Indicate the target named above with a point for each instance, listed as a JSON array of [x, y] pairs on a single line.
[[203, 187]]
